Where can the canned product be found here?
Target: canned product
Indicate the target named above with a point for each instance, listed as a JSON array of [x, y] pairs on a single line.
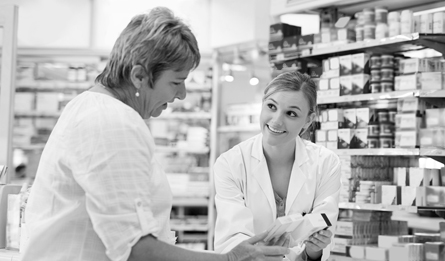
[[381, 31], [387, 74], [386, 129], [393, 17], [387, 60], [376, 75], [387, 86], [373, 143], [375, 62], [394, 29], [359, 33], [381, 14], [373, 130], [369, 32], [375, 87], [369, 15], [383, 116], [386, 142]]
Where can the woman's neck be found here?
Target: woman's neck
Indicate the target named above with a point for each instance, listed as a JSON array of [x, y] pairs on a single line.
[[279, 154]]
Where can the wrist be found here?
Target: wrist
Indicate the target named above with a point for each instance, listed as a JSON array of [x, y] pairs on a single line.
[[313, 255]]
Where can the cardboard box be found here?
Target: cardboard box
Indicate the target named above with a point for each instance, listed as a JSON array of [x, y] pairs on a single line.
[[350, 118], [321, 136], [360, 83], [431, 80], [334, 83], [345, 65], [360, 63], [363, 117], [276, 47], [360, 140], [345, 137], [345, 85], [407, 82], [279, 31], [408, 121]]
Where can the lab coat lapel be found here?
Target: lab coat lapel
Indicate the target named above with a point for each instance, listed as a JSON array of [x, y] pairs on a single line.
[[298, 177], [261, 173]]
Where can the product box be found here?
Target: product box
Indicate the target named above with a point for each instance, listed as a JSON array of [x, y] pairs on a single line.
[[407, 82], [434, 251], [334, 63], [326, 65], [401, 176], [435, 118], [279, 31], [315, 72], [345, 65], [426, 23], [431, 80], [335, 115], [323, 84], [332, 135], [330, 125], [321, 136], [387, 242], [439, 23], [363, 117], [344, 228], [360, 140], [276, 47], [294, 65], [340, 244], [414, 65], [390, 195], [408, 121], [413, 104], [345, 138], [430, 196], [433, 137], [376, 253], [408, 196], [350, 118], [346, 35], [331, 73], [345, 85], [416, 176], [406, 139], [360, 63], [432, 177], [357, 252], [360, 83], [305, 40], [289, 44], [334, 83], [332, 145]]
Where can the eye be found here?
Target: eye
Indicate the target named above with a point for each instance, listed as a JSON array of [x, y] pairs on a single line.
[[292, 114], [177, 83], [271, 106]]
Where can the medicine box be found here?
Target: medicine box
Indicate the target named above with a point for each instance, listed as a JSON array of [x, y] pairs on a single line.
[[334, 83], [345, 85], [345, 137], [360, 63], [407, 82], [431, 80], [360, 140], [360, 83], [279, 31], [290, 44], [350, 118], [345, 65]]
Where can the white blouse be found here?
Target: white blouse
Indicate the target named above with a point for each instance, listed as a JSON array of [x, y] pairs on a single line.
[[98, 188]]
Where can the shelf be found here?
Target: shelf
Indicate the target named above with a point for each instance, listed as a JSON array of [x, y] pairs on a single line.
[[193, 237], [432, 94], [37, 114], [197, 87], [370, 97], [377, 207], [438, 152], [202, 228], [334, 257], [185, 116], [190, 202], [29, 147], [9, 255], [62, 52], [396, 44], [377, 152], [249, 128], [185, 150]]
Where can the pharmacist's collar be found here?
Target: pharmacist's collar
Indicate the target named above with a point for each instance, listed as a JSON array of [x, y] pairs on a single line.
[[301, 155]]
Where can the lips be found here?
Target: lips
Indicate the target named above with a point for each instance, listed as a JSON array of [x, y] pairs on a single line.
[[273, 130]]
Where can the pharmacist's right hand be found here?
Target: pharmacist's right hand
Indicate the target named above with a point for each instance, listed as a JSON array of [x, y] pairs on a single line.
[[250, 250]]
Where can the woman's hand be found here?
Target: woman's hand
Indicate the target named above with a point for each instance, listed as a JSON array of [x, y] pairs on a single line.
[[317, 242], [283, 241], [250, 250]]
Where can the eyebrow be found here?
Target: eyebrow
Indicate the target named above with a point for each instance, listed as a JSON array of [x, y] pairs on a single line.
[[181, 78], [293, 107]]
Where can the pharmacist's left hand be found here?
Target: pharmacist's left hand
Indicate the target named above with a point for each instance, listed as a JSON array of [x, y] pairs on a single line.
[[319, 240]]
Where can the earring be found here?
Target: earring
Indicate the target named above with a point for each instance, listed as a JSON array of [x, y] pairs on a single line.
[[137, 93]]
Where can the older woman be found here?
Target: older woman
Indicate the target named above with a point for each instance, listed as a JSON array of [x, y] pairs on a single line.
[[99, 192], [276, 173]]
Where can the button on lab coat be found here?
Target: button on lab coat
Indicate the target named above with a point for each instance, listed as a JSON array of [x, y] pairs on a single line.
[[245, 200]]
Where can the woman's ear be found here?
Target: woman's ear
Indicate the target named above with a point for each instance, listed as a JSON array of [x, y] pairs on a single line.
[[139, 76], [310, 120]]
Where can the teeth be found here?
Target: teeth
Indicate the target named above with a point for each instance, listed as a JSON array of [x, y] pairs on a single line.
[[274, 130]]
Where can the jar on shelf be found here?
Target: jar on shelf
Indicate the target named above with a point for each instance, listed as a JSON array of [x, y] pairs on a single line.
[[387, 74], [381, 31], [376, 75], [369, 15], [381, 14], [393, 17], [369, 31], [387, 86], [375, 62], [359, 33], [394, 29], [387, 61], [375, 87]]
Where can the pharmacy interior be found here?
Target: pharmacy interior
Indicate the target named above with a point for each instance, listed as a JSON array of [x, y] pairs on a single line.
[[379, 69]]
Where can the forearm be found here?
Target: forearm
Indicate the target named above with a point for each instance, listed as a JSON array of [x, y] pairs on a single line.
[[149, 248]]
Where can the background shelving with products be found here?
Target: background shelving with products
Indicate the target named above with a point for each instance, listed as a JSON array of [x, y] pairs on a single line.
[[392, 153]]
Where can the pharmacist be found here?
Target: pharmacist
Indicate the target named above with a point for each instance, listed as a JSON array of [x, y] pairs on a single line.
[[277, 173], [99, 193]]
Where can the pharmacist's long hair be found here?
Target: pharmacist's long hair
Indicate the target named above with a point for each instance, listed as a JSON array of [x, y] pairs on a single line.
[[157, 41], [295, 81]]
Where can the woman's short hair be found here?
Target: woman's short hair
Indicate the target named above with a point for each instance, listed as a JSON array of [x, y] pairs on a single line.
[[294, 81], [157, 41]]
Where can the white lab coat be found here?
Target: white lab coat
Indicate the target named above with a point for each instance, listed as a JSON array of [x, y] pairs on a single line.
[[245, 200]]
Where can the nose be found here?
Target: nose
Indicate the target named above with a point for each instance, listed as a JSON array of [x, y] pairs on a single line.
[[181, 92], [277, 119]]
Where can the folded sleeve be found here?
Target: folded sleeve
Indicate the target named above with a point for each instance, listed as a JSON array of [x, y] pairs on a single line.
[[112, 162], [234, 222]]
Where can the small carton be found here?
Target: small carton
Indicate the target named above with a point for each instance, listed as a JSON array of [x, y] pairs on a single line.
[[345, 138], [345, 85], [360, 63], [350, 118], [345, 65]]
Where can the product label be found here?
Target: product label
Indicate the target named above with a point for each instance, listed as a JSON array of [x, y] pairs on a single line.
[[432, 199], [431, 256]]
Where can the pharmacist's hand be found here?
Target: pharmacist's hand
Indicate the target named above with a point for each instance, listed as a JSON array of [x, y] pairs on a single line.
[[318, 241], [250, 250], [283, 241]]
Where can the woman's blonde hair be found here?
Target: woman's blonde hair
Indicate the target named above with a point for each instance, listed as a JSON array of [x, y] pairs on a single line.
[[157, 41]]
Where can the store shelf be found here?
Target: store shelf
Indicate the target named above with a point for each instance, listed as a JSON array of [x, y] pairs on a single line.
[[377, 207], [248, 128], [37, 114], [396, 44], [49, 52], [334, 257], [190, 202], [438, 152], [29, 147], [166, 149], [432, 94], [193, 237], [9, 255], [369, 97], [185, 116], [202, 228], [377, 152], [197, 87]]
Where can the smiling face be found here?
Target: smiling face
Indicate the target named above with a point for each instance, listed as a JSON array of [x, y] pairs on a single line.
[[168, 87], [283, 115]]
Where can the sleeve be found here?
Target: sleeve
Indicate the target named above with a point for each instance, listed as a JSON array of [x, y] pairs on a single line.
[[112, 163], [327, 194], [234, 222]]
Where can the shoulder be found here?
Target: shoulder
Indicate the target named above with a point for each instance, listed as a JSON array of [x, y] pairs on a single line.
[[321, 154]]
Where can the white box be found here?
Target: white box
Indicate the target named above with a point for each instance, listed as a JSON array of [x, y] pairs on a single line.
[[400, 176], [408, 121], [345, 137], [345, 65], [350, 118], [363, 117], [389, 195], [321, 135], [330, 125], [359, 83], [335, 115], [406, 139], [334, 83], [439, 23], [407, 82], [332, 135], [323, 84], [431, 81], [408, 196], [332, 145], [387, 241], [334, 63], [345, 85], [377, 254], [426, 23]]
